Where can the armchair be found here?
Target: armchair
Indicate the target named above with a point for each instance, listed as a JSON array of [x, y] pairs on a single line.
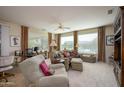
[[6, 64]]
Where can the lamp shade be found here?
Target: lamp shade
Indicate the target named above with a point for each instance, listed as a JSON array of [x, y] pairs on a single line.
[[53, 43], [77, 45]]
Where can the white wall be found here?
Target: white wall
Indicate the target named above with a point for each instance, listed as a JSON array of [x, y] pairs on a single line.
[[109, 50], [14, 29], [36, 33]]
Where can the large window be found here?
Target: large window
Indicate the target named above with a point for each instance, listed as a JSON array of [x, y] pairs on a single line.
[[67, 42], [88, 43]]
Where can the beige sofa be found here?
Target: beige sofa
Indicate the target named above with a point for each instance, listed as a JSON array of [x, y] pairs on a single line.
[[34, 77]]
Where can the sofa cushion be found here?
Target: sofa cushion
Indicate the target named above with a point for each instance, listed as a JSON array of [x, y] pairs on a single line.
[[57, 66], [52, 71], [60, 71], [53, 81]]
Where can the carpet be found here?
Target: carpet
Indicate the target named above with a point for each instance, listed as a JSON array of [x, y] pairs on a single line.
[[94, 75]]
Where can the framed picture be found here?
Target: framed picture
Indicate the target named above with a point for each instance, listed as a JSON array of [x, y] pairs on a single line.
[[110, 40], [15, 41]]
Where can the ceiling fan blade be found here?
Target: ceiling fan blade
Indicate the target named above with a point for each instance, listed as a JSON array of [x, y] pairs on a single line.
[[66, 28], [61, 28], [56, 29]]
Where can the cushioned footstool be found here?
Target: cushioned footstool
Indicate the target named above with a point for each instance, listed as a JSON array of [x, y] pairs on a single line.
[[77, 64]]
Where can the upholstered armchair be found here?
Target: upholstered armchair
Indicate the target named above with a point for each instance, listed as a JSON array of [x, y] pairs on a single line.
[[6, 63]]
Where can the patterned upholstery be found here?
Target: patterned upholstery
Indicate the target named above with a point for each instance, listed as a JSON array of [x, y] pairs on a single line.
[[77, 64]]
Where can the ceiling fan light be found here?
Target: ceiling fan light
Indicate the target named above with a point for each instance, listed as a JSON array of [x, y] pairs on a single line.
[[59, 31]]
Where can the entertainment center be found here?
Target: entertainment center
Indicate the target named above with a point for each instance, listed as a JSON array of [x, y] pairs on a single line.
[[119, 47]]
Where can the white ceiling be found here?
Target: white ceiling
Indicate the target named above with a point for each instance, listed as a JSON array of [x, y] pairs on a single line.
[[48, 17]]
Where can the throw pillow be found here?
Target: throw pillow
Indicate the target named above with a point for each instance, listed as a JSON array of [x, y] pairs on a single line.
[[48, 62], [43, 66], [74, 53], [45, 69], [66, 54]]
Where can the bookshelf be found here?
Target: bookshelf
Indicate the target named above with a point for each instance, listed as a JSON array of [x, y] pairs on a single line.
[[0, 40], [119, 47]]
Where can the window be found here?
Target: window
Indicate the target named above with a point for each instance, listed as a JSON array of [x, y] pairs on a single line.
[[88, 43], [67, 42]]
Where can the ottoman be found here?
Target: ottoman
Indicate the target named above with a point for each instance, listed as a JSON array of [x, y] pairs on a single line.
[[77, 64]]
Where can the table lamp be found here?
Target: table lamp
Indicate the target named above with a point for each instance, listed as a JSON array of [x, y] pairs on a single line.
[[53, 44]]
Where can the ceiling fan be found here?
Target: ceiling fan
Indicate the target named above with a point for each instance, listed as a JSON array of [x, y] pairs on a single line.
[[61, 28]]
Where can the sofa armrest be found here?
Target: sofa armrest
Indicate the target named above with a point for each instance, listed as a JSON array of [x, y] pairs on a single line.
[[53, 81], [56, 66]]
